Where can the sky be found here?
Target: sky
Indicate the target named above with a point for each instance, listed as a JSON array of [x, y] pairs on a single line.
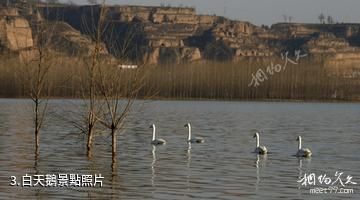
[[263, 11]]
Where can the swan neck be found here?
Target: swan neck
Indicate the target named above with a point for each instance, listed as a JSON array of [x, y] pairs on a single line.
[[299, 143], [189, 137], [257, 141], [153, 137]]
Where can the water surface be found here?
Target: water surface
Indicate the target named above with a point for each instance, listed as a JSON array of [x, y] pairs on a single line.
[[224, 167]]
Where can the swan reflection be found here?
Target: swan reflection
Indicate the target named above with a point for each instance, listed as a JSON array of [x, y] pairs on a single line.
[[301, 168], [260, 163], [188, 164], [153, 163]]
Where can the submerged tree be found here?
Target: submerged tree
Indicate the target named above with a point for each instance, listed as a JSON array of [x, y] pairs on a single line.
[[119, 89], [36, 67], [108, 86], [39, 93], [95, 27]]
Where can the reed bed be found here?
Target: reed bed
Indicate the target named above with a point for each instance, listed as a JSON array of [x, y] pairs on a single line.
[[308, 80]]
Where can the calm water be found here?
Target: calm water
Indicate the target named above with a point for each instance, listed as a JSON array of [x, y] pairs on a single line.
[[224, 167]]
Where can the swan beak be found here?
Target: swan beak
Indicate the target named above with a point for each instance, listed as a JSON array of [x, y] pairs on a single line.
[[186, 125], [151, 126]]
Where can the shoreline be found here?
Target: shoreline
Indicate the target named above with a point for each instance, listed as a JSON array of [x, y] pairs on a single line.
[[210, 100]]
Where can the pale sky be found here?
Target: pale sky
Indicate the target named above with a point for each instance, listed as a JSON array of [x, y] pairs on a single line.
[[262, 11]]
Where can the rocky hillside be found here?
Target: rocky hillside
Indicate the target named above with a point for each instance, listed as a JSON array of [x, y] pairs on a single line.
[[156, 35], [22, 30], [166, 34]]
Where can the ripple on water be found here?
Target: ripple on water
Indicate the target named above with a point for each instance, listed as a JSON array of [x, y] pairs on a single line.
[[224, 167]]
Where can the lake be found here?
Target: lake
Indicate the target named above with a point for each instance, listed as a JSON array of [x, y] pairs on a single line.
[[224, 167]]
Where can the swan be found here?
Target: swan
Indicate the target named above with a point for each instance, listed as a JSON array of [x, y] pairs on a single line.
[[155, 141], [302, 152], [259, 149], [194, 140]]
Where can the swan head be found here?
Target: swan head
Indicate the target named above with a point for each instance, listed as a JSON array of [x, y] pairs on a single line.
[[152, 126], [256, 135], [187, 125], [298, 138]]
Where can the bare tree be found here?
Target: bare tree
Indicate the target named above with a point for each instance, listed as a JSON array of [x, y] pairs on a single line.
[[96, 28], [119, 89], [35, 74], [108, 85]]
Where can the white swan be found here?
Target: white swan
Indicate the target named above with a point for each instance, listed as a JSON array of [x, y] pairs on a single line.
[[193, 140], [259, 149], [155, 141], [302, 152]]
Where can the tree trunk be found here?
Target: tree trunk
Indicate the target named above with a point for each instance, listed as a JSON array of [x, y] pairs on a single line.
[[37, 138], [37, 124], [90, 138], [113, 134]]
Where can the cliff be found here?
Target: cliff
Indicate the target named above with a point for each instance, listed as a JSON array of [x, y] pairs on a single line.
[[15, 31], [155, 35], [22, 30], [163, 34]]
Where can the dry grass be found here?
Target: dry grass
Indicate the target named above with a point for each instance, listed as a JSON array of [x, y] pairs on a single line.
[[306, 81], [210, 80]]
